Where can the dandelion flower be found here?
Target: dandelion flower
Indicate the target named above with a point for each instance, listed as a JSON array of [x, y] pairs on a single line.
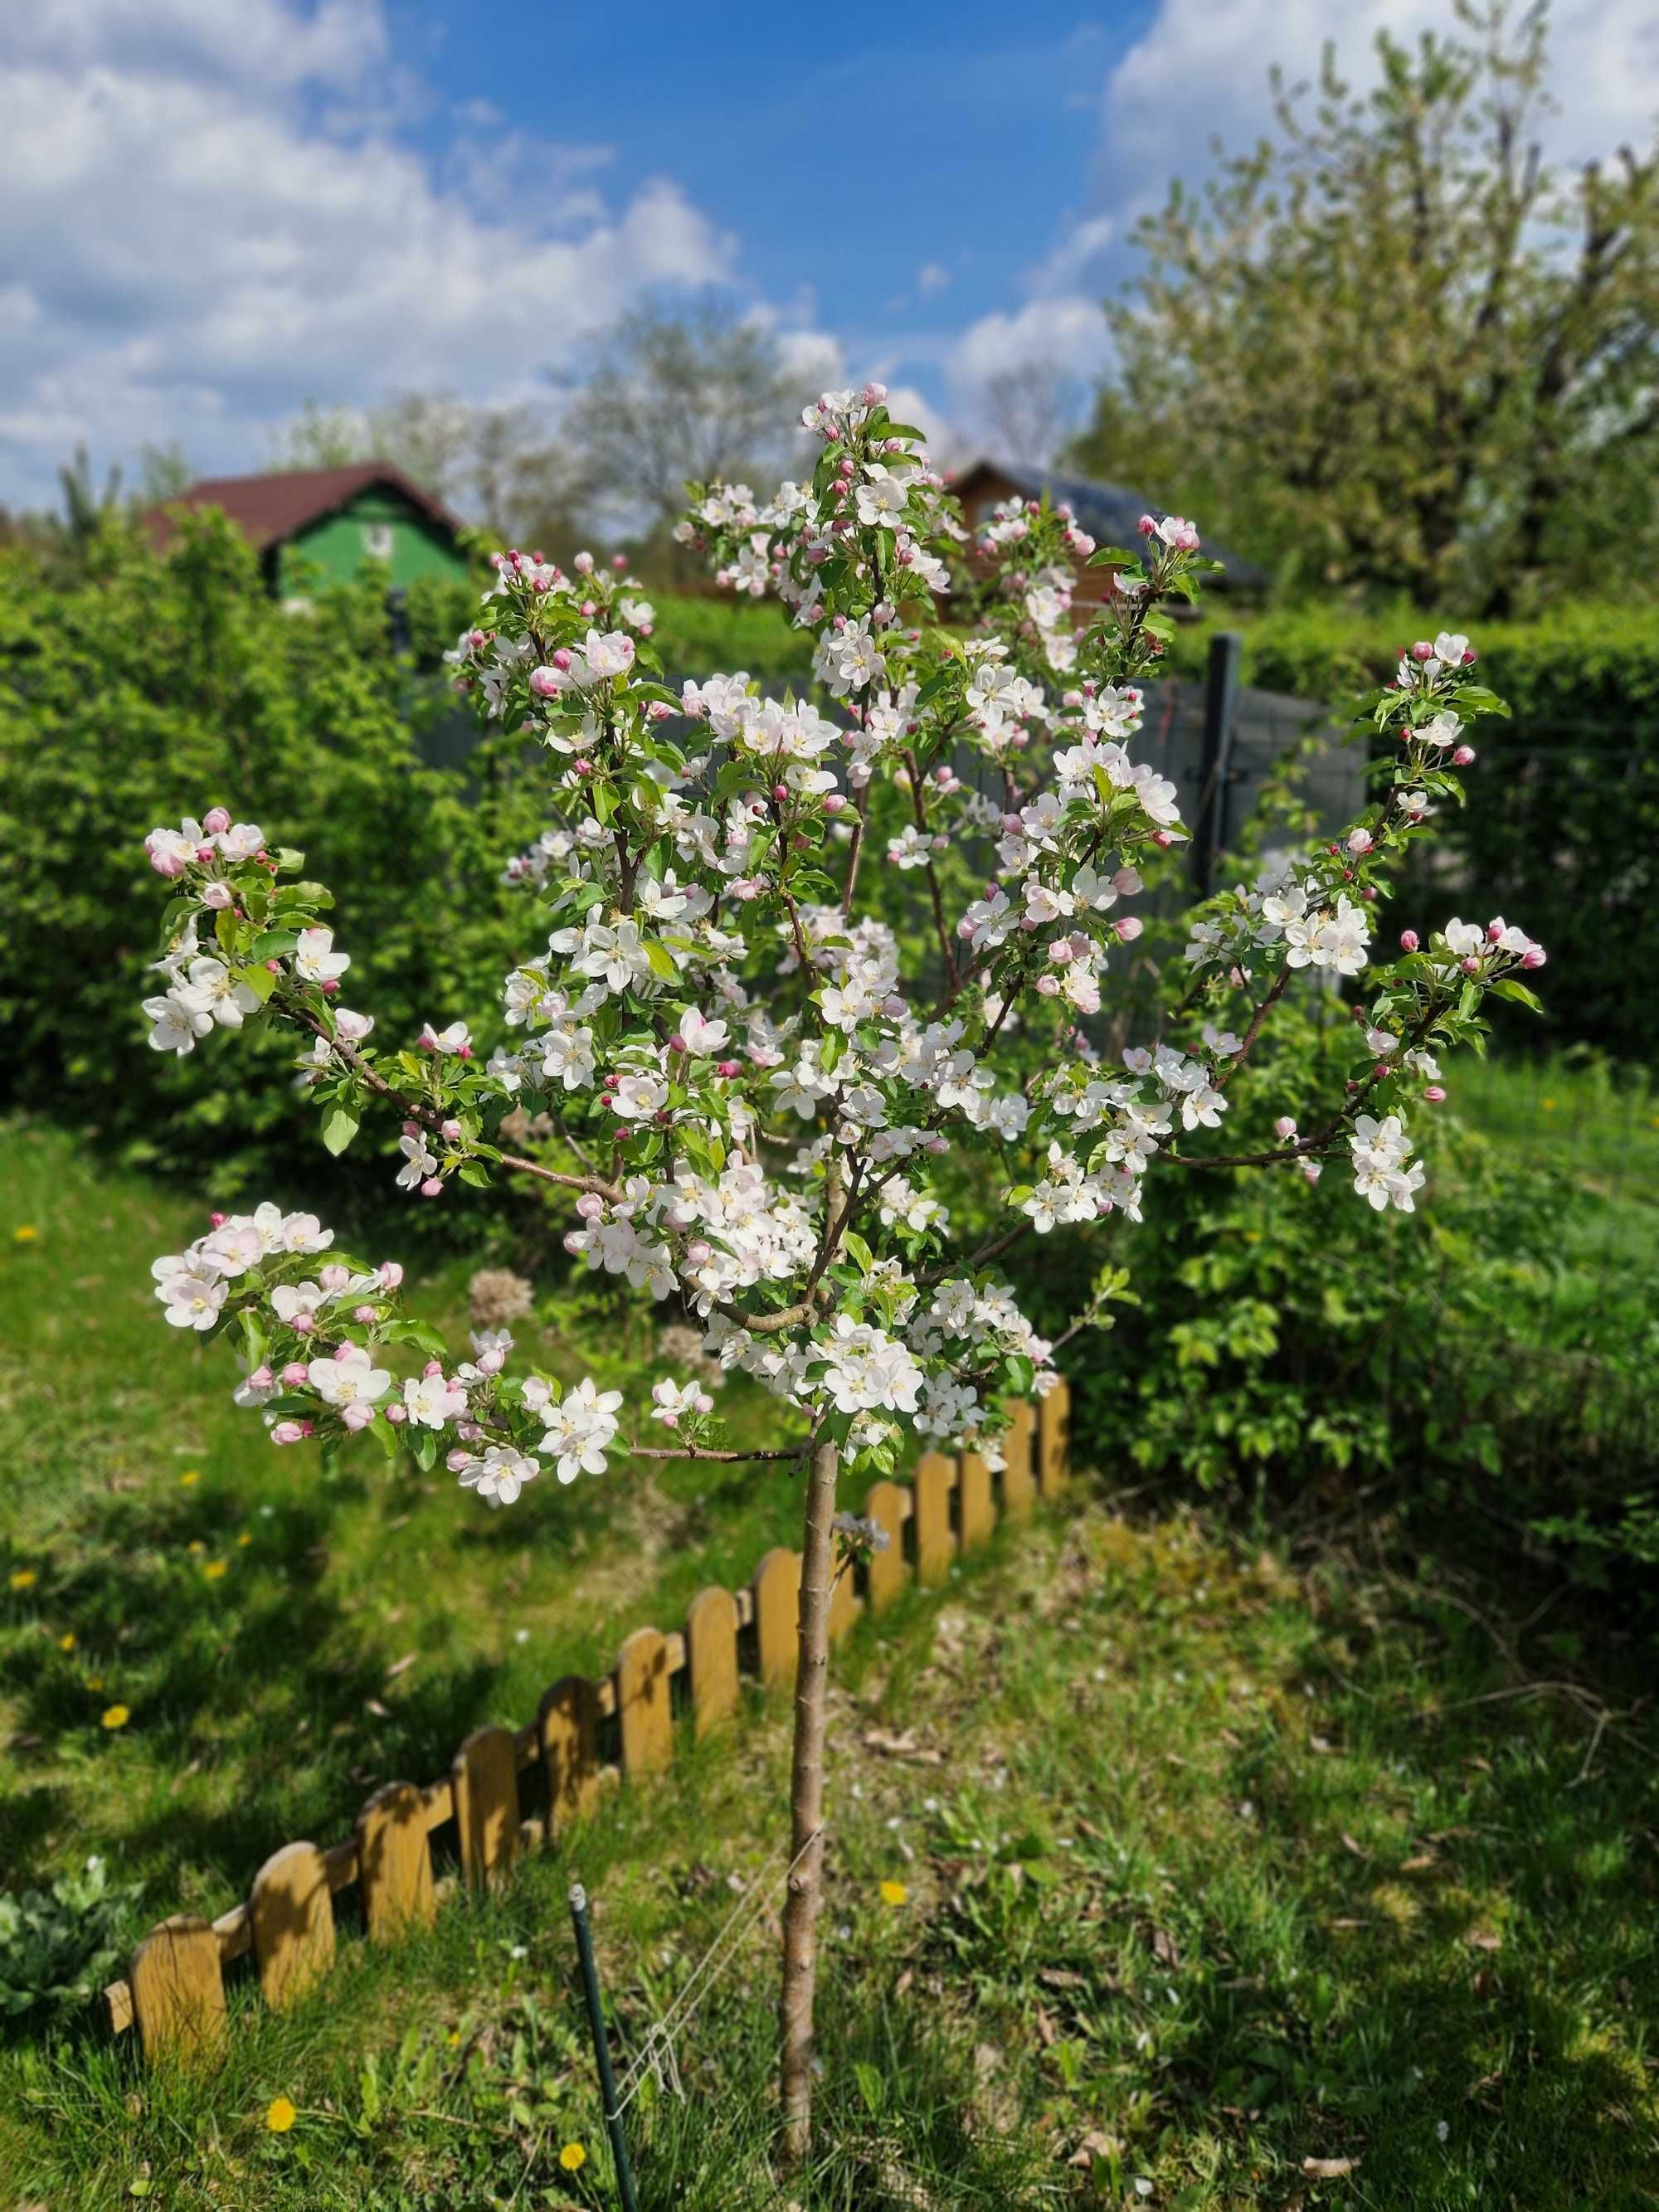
[[116, 1716], [244, 1540], [23, 1578], [573, 2158], [192, 1474], [27, 1234], [894, 1893], [213, 1570], [280, 2116], [66, 1642]]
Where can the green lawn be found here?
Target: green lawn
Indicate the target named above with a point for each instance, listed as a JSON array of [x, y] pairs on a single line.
[[1207, 1868], [251, 1614], [1211, 1861]]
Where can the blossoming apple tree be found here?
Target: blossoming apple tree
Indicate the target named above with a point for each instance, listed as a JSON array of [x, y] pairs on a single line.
[[751, 1077]]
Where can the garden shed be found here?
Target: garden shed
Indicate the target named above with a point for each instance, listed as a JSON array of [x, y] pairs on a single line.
[[302, 521]]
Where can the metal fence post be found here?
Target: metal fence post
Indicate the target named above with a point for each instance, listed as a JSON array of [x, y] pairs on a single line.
[[1215, 768], [613, 2125]]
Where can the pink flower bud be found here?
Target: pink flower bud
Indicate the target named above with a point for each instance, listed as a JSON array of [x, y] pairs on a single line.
[[329, 986], [287, 1433], [779, 792], [590, 607], [1462, 756], [356, 1416], [544, 683], [334, 1277], [1163, 837], [1049, 986], [834, 803], [365, 1317], [218, 1220], [699, 1251], [1435, 1094], [1534, 957], [1360, 840], [1422, 650], [218, 898], [262, 1378], [1471, 966], [303, 1323], [728, 1067], [619, 562], [562, 658], [397, 1415], [573, 1243], [1494, 933], [964, 928], [1128, 928], [432, 1367], [433, 1187], [1146, 525], [1285, 1127], [584, 564], [455, 1460], [343, 1351], [1380, 1071], [166, 864], [392, 1273], [450, 1131], [294, 1374], [1409, 940]]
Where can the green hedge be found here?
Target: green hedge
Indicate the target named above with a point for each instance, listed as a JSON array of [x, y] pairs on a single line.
[[137, 689], [1561, 832]]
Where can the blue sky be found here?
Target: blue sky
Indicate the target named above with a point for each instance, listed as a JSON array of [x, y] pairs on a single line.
[[217, 210]]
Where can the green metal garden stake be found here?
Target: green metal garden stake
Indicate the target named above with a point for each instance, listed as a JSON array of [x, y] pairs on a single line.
[[613, 2125]]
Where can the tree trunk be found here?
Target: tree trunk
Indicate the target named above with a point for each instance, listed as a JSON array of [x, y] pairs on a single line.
[[800, 1912]]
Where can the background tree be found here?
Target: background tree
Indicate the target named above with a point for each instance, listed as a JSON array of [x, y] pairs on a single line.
[[1388, 349], [671, 396]]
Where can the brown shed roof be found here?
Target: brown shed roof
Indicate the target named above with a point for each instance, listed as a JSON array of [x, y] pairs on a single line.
[[270, 508]]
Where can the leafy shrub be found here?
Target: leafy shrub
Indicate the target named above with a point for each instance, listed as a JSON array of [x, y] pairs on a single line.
[[129, 687], [59, 1946], [1475, 1359]]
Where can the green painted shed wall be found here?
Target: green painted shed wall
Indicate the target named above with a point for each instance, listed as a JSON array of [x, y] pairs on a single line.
[[339, 547]]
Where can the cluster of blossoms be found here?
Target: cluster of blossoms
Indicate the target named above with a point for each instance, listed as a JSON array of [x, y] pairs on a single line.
[[746, 1076]]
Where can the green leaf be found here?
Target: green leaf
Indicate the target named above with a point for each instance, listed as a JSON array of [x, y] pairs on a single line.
[[662, 962], [258, 980], [339, 1127]]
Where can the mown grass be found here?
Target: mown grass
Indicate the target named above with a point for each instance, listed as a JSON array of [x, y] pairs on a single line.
[[1209, 1867], [1213, 1861]]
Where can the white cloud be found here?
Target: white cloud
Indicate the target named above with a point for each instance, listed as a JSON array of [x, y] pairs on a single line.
[[1202, 67], [933, 278], [189, 256]]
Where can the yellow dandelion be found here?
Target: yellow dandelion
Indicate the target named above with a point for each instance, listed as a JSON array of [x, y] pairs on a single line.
[[27, 1234], [454, 2038], [67, 1641], [94, 1682], [191, 1475], [1548, 1105], [244, 1540], [894, 1893], [280, 2116], [573, 2158], [215, 1569], [115, 1716], [196, 1548], [23, 1578]]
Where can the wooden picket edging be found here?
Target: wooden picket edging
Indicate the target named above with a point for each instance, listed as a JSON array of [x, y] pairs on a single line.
[[586, 1734]]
